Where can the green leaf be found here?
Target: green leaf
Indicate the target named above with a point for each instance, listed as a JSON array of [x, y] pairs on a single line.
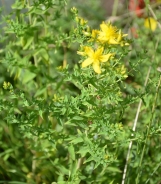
[[114, 169], [43, 53], [18, 5], [89, 159], [77, 140], [28, 42], [79, 132], [63, 111], [71, 152], [40, 91], [78, 118], [38, 11], [73, 169], [97, 164], [111, 182], [83, 151], [63, 170], [28, 76], [40, 113], [62, 182]]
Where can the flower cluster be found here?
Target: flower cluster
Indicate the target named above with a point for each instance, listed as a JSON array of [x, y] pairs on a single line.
[[99, 44]]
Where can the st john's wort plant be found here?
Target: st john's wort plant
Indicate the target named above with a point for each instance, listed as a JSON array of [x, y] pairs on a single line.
[[70, 119]]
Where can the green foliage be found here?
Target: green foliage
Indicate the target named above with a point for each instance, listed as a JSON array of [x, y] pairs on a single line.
[[65, 122]]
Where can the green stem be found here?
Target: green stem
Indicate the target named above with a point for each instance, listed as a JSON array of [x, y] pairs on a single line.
[[148, 130], [32, 22], [115, 7]]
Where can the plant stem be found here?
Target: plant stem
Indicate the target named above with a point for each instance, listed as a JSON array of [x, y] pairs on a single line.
[[135, 122], [134, 129], [153, 172], [148, 129], [32, 22], [115, 6]]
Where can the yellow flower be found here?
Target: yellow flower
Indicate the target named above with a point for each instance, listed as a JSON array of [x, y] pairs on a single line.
[[94, 58], [110, 34], [83, 22], [84, 52], [150, 23], [93, 35], [74, 10], [6, 85]]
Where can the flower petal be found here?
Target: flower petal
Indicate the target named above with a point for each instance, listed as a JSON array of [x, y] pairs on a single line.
[[96, 67], [81, 53], [105, 58], [94, 33], [150, 23], [89, 51], [119, 38], [87, 62], [113, 41], [103, 27], [99, 51]]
